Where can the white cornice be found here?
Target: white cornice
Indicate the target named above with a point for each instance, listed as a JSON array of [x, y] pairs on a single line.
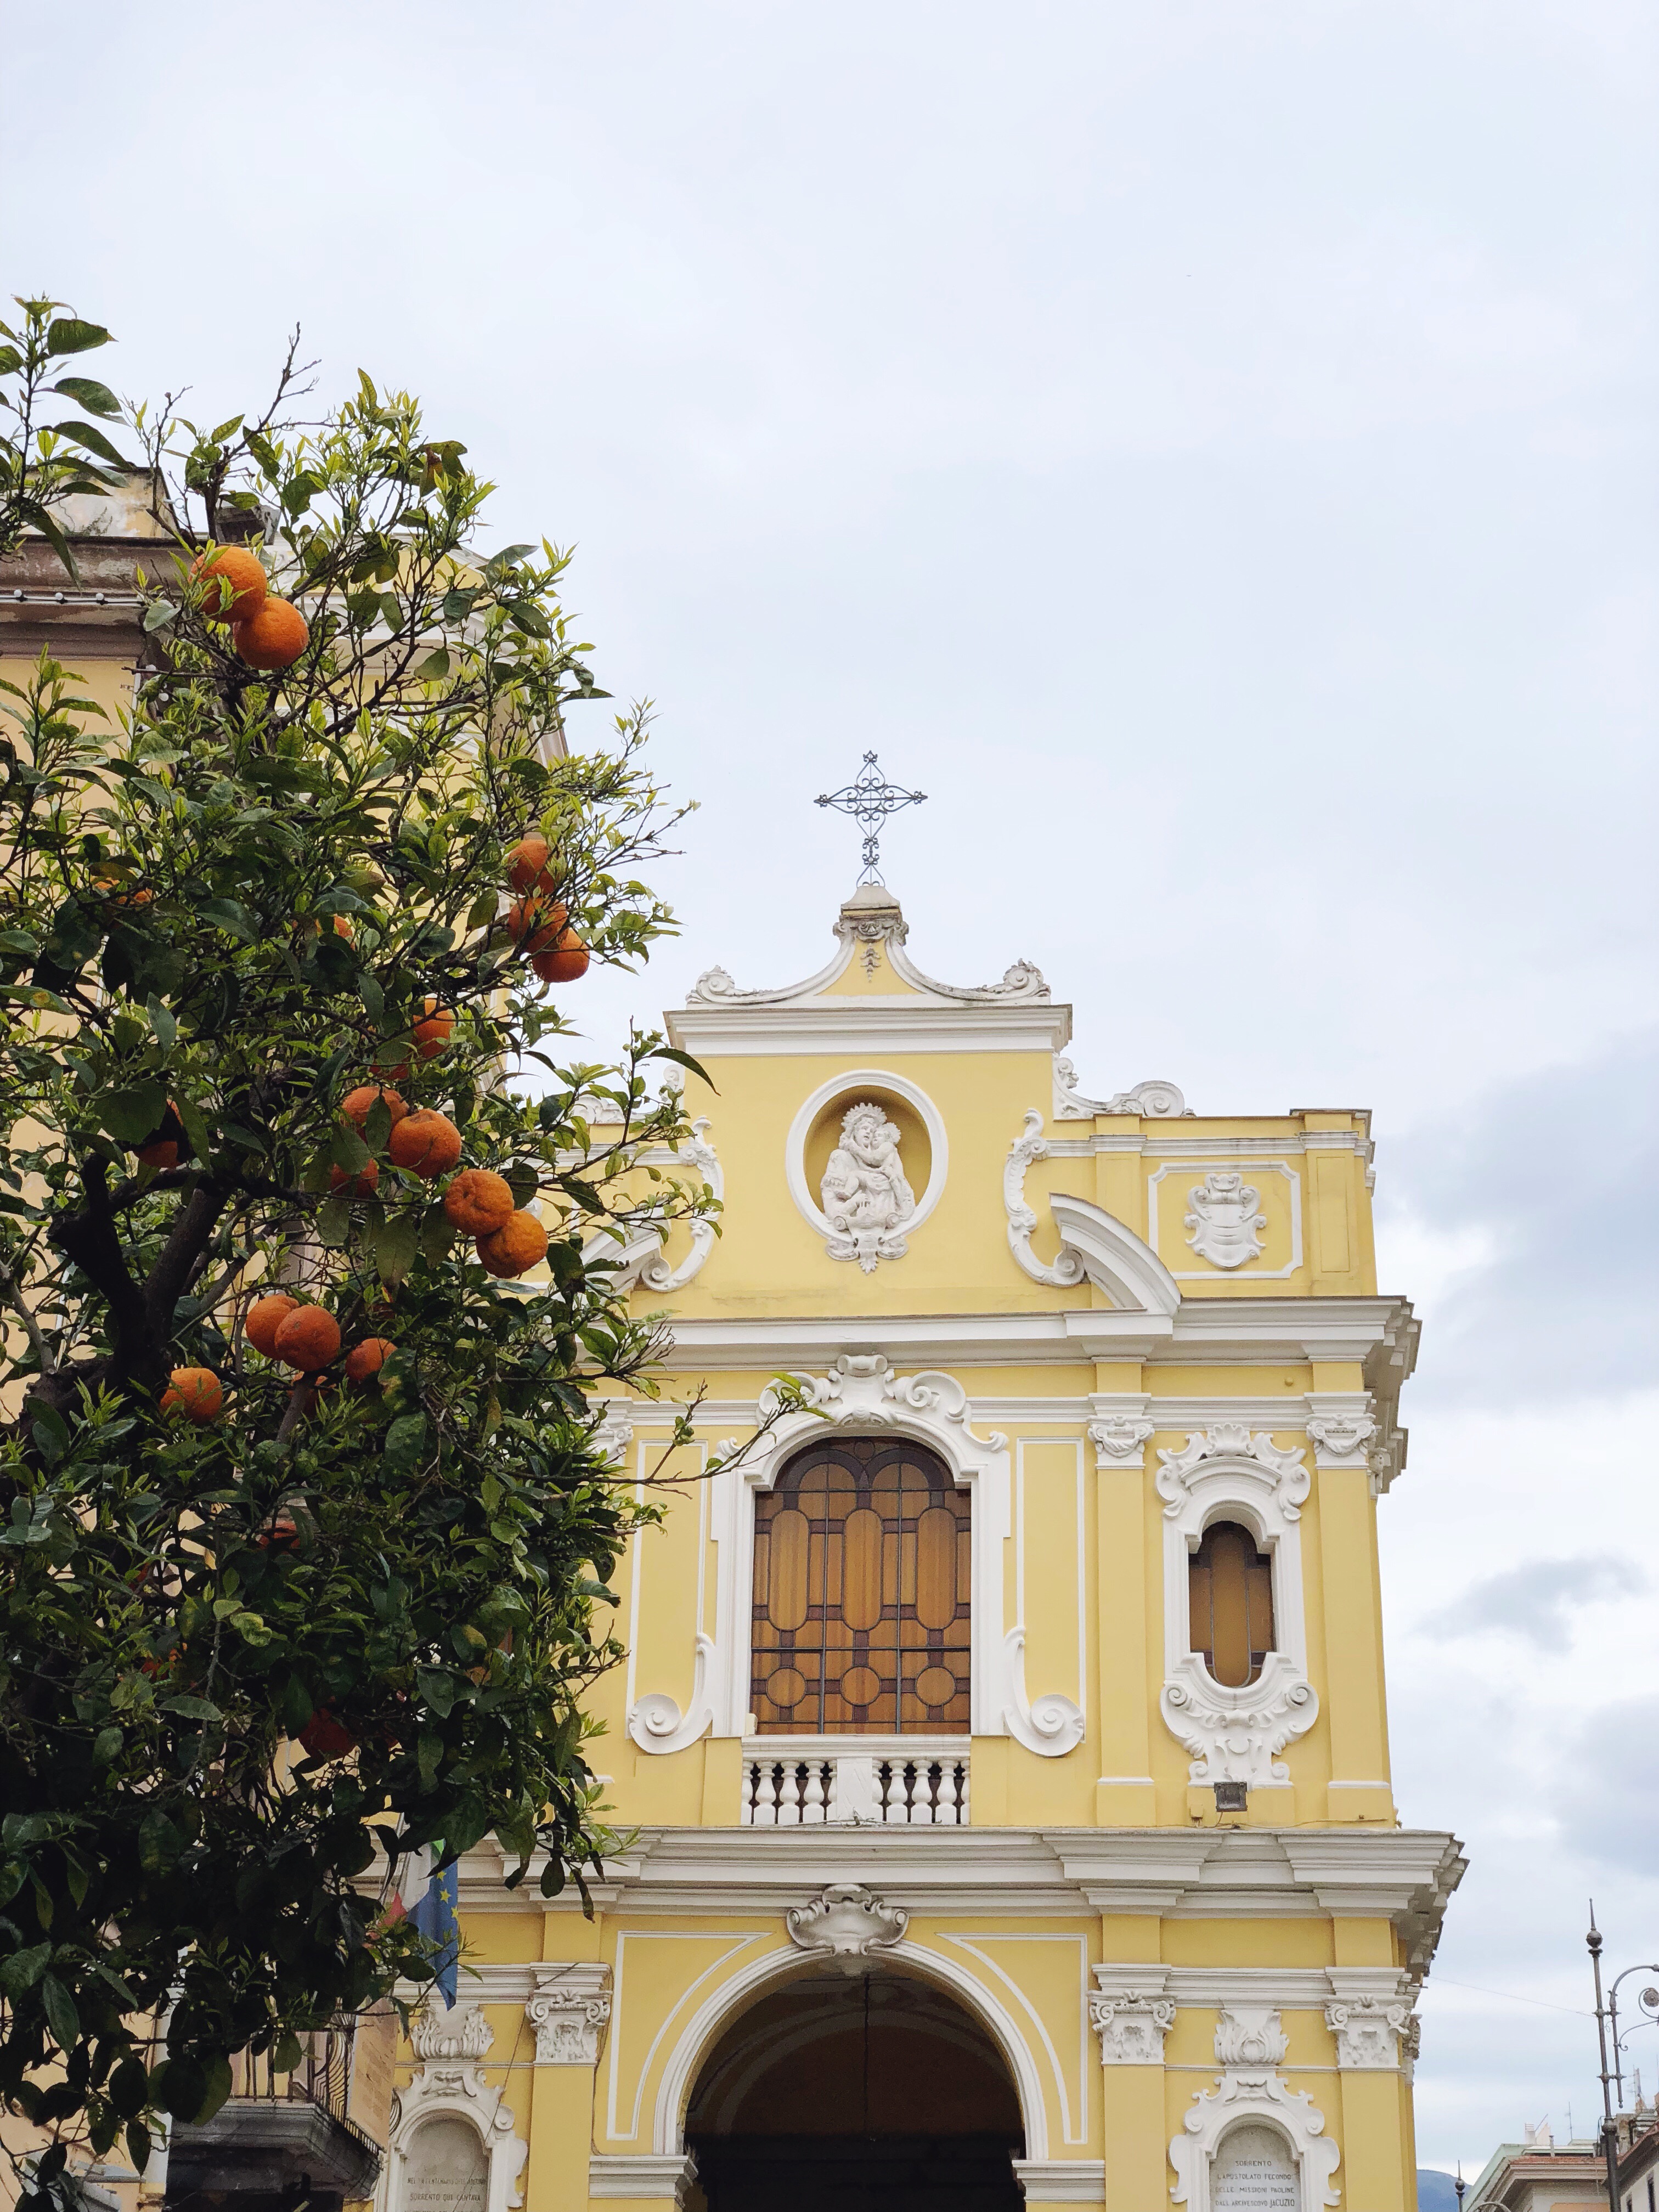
[[901, 1024], [1230, 1331]]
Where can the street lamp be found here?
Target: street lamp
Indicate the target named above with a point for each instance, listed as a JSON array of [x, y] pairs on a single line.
[[1606, 2023]]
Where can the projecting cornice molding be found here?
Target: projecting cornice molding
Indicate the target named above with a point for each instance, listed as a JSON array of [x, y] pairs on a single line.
[[1195, 1332]]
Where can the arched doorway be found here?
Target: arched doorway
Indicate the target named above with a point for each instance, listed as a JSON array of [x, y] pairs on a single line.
[[868, 2093]]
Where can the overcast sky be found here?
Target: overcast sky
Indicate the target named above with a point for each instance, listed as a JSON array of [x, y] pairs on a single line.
[[1208, 446]]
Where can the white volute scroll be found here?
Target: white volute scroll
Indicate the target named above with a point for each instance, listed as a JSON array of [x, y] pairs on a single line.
[[1253, 2130], [1235, 1734], [1051, 1725], [657, 1274], [1067, 1269], [655, 1721]]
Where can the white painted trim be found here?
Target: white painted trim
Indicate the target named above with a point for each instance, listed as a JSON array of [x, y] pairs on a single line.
[[1249, 1271], [850, 1085], [1074, 2125], [739, 1939], [1257, 2097], [1224, 1331], [456, 2089], [1062, 2180], [856, 1022], [1129, 1271], [654, 1721], [711, 2017], [639, 2175]]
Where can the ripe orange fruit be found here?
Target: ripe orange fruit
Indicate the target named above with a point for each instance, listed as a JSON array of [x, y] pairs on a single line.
[[369, 1357], [534, 922], [281, 1531], [325, 1737], [234, 566], [427, 1143], [515, 1248], [273, 637], [432, 1031], [264, 1317], [478, 1202], [527, 868], [162, 1150], [565, 962], [356, 1103], [309, 1339], [195, 1392], [110, 880], [357, 1186]]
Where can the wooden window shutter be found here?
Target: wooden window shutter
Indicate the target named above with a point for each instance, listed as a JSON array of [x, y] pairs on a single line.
[[1231, 1589], [862, 1572]]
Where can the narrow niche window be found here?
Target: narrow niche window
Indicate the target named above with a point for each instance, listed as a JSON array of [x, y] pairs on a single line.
[[1230, 1584], [862, 1571]]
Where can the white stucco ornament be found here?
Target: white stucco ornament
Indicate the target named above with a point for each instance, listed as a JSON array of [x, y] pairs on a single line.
[[1223, 1218], [865, 1195], [848, 1922], [1286, 2127]]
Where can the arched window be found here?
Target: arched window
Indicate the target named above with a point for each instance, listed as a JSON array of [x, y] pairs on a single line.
[[1231, 1585], [862, 1566]]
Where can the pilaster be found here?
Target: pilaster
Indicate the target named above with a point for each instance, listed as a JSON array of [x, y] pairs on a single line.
[[1120, 1431], [1131, 2014]]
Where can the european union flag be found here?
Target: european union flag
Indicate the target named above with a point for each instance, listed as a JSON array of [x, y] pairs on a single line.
[[436, 1917]]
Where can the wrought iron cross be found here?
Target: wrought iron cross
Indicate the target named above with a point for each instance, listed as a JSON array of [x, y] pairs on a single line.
[[869, 798]]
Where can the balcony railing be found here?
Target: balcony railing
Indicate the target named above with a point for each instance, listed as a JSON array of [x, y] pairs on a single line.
[[280, 2137], [804, 1782]]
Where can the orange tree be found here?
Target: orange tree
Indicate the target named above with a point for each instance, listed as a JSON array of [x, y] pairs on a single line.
[[270, 1623]]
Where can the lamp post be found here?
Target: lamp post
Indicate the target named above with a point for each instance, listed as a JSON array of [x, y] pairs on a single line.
[[1606, 2028]]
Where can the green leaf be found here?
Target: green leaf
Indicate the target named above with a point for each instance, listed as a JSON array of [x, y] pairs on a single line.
[[132, 1113], [217, 2075], [334, 1223], [435, 665], [229, 914], [193, 1708], [31, 511], [438, 1236], [286, 2052], [68, 334], [395, 1247], [158, 1842], [62, 2017], [406, 1441], [670, 1052], [51, 1433], [439, 1688], [90, 393], [23, 1969], [129, 2087], [84, 433], [523, 1180], [158, 615], [138, 2142], [190, 1114]]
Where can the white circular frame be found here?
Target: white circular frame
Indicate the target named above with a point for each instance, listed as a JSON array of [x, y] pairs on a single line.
[[844, 1086]]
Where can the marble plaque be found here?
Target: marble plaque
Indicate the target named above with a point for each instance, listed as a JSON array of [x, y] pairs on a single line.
[[1255, 2171], [447, 2170]]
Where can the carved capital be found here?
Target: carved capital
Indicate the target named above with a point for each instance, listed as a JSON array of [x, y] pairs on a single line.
[[568, 2008], [1131, 2014], [1119, 1439], [457, 2034], [1368, 2032]]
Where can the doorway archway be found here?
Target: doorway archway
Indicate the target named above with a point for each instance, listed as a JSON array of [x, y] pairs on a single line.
[[867, 2093]]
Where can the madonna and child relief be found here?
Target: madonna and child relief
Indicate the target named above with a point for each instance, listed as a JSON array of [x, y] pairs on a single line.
[[865, 1195]]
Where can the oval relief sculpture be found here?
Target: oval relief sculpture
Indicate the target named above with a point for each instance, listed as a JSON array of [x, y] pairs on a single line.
[[865, 1198]]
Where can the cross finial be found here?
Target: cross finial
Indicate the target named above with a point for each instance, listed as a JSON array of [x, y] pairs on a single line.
[[869, 798]]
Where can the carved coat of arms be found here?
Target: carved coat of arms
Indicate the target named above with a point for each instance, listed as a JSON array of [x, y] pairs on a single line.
[[1223, 1218]]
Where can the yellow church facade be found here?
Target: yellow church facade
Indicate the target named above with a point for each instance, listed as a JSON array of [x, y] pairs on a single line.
[[1003, 1735]]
